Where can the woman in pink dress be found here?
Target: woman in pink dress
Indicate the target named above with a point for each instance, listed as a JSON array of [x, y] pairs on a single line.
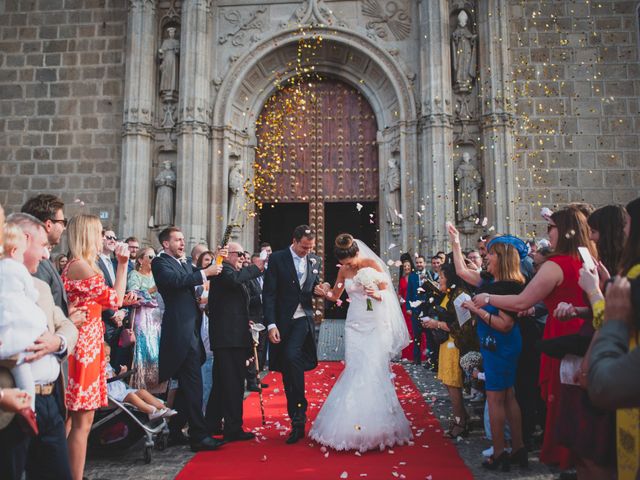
[[85, 287]]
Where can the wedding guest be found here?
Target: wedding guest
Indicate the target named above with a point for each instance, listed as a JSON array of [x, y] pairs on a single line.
[[49, 210], [256, 314], [475, 258], [136, 396], [254, 288], [202, 295], [230, 339], [11, 399], [134, 246], [85, 285], [555, 282], [196, 251], [405, 271], [500, 341], [61, 261], [442, 318], [181, 351], [627, 425], [45, 455], [113, 319], [22, 321], [146, 321], [606, 230]]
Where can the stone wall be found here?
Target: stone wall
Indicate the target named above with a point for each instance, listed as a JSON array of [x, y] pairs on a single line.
[[61, 84], [577, 81]]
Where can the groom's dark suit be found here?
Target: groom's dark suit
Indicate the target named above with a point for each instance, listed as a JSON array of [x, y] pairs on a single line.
[[296, 352], [181, 350]]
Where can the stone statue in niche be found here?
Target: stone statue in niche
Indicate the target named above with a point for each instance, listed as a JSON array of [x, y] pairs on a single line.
[[165, 184], [168, 54], [392, 192], [463, 45], [469, 182], [236, 182]]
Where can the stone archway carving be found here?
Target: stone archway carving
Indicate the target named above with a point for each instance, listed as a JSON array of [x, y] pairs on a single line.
[[346, 55]]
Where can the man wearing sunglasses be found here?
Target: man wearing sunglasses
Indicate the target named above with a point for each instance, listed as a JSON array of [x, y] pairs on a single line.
[[49, 210], [230, 337]]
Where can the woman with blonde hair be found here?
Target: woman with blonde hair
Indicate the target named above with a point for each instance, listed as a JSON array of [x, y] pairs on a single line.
[[85, 286]]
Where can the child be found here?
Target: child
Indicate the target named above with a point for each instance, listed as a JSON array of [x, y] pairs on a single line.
[[141, 399], [22, 321]]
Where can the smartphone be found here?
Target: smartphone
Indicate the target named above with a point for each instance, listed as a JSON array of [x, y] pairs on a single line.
[[587, 259]]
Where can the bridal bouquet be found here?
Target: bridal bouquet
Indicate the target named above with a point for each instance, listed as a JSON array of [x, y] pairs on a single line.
[[368, 278]]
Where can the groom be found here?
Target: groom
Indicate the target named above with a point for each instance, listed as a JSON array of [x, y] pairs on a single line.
[[288, 288]]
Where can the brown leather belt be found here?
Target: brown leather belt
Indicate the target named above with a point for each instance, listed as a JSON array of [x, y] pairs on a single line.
[[46, 389]]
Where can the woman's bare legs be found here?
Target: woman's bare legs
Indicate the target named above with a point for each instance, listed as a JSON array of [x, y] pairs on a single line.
[[77, 440]]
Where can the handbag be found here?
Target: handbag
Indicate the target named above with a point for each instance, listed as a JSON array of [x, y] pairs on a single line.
[[440, 336], [127, 335]]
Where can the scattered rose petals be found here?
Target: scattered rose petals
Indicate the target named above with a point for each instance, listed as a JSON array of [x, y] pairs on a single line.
[[358, 207]]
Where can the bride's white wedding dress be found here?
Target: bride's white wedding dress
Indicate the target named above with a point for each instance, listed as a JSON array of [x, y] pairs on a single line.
[[362, 411]]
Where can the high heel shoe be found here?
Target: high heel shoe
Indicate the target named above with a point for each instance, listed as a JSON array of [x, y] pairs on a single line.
[[502, 461], [520, 458], [458, 430]]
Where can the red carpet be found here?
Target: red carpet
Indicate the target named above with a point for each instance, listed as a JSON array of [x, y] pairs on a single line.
[[430, 457]]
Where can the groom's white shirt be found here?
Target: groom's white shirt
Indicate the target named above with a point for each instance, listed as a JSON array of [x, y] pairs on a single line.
[[300, 263]]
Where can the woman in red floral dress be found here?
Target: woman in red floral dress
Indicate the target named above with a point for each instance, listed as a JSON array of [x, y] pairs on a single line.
[[85, 286]]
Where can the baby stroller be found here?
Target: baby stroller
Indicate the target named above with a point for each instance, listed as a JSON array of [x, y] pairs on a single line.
[[120, 425]]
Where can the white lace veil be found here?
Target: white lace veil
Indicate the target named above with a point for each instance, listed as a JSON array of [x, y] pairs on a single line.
[[393, 319]]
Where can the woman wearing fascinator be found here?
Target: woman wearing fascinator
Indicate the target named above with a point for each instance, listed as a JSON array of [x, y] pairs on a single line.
[[362, 411]]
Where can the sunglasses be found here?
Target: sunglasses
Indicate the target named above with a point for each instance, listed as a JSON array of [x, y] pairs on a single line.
[[150, 256], [550, 227], [111, 237], [64, 221], [240, 254]]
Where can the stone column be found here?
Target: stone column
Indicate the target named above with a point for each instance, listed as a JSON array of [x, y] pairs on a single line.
[[436, 183], [194, 130], [496, 116], [136, 194]]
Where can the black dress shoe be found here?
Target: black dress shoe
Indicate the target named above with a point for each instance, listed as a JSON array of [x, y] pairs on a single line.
[[177, 439], [206, 444], [296, 434], [239, 436]]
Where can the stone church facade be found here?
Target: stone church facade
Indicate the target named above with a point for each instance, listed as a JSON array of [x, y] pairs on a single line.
[[145, 110]]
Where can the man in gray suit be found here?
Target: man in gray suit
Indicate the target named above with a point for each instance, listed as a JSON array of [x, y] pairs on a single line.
[[49, 210]]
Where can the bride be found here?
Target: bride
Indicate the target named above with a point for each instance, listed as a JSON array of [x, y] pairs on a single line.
[[362, 411]]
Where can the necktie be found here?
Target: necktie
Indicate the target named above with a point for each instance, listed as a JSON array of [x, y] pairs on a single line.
[[300, 269]]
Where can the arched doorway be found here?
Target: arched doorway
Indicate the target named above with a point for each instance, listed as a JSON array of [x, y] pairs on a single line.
[[329, 176]]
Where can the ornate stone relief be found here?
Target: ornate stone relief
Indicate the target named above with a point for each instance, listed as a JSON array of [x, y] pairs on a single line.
[[313, 12], [242, 26], [393, 17]]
